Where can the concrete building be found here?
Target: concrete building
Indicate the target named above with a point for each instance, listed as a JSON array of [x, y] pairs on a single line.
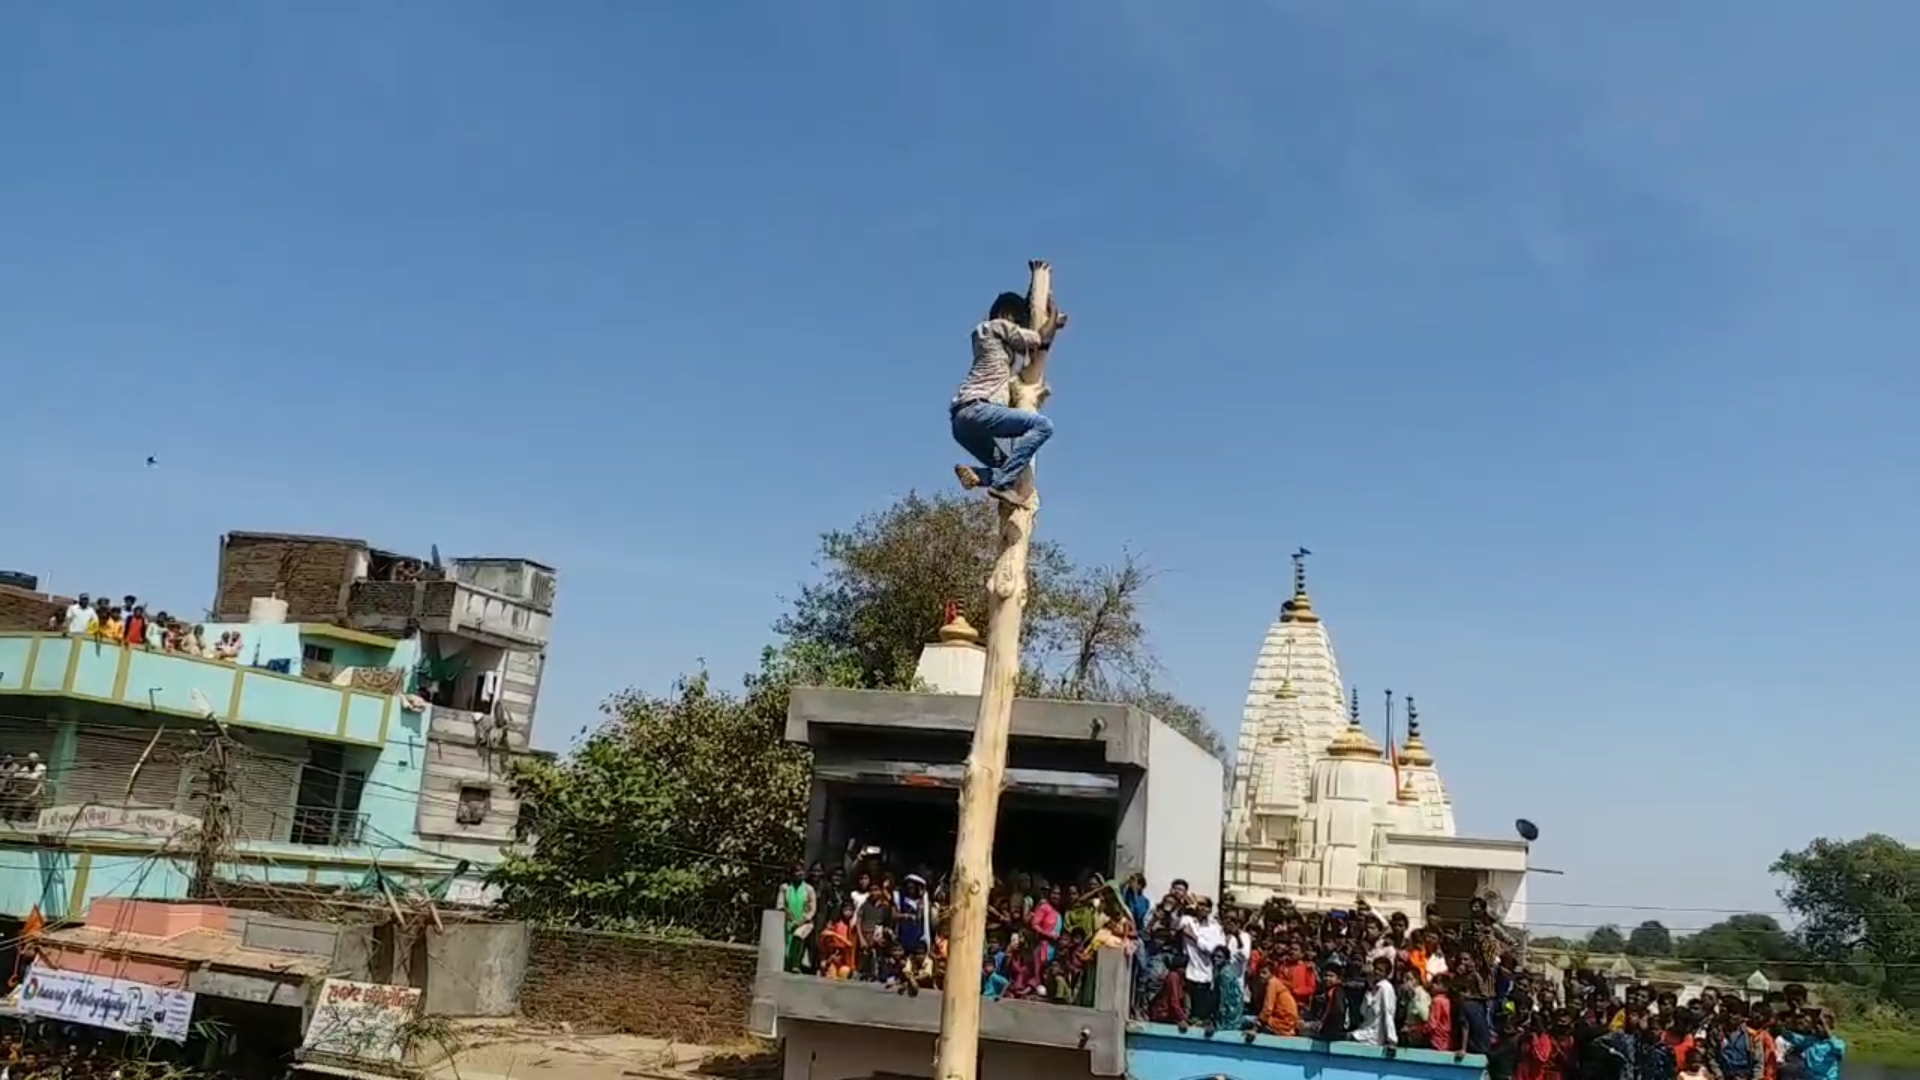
[[1089, 785], [377, 704], [1321, 814]]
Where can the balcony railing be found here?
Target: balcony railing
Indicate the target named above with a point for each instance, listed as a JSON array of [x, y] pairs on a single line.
[[200, 689]]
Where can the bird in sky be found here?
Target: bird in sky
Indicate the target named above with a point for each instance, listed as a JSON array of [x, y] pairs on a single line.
[[152, 462]]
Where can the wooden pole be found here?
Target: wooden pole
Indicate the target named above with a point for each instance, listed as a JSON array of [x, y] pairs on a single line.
[[959, 1051]]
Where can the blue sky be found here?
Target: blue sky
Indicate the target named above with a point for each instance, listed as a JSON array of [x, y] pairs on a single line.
[[1574, 341]]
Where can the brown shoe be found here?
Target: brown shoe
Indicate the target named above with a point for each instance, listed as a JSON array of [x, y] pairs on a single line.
[[1010, 497], [969, 476]]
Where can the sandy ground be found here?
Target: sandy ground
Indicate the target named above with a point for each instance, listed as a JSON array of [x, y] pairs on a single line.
[[524, 1052]]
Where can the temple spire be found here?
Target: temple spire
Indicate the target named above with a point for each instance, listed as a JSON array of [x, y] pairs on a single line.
[[1415, 751], [1353, 741], [1299, 608]]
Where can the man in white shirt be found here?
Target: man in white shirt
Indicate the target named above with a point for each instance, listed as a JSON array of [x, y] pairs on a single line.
[[80, 615], [1376, 1012], [1202, 934]]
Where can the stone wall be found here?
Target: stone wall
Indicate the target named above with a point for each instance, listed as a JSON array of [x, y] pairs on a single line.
[[690, 991], [310, 572], [23, 610]]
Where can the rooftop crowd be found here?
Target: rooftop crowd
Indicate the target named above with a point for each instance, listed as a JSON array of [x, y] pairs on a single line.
[[127, 623], [1449, 985]]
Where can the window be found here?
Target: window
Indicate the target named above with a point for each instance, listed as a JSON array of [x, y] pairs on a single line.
[[475, 801], [319, 654]]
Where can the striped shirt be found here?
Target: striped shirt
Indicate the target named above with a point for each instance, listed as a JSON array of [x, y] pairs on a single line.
[[996, 343]]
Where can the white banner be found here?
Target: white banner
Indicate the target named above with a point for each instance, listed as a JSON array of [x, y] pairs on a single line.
[[362, 1021], [117, 1004]]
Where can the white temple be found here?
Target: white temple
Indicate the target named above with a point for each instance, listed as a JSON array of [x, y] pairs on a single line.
[[1322, 815]]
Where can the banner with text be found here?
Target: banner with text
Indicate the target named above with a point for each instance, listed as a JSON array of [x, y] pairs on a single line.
[[116, 1004], [362, 1021]]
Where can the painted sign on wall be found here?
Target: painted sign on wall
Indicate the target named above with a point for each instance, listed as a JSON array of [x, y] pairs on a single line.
[[362, 1021], [115, 1004]]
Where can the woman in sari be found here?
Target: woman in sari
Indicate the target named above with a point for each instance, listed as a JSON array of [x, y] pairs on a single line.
[[1046, 925], [837, 955]]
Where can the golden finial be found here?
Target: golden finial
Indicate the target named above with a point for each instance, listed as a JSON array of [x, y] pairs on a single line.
[[1415, 751], [1352, 742], [1299, 609], [956, 628]]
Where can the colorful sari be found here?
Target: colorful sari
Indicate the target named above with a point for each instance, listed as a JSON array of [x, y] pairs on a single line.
[[837, 955]]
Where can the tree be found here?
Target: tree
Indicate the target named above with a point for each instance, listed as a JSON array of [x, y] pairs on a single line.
[[1606, 939], [1859, 905], [886, 581], [677, 813], [1650, 938], [1741, 944]]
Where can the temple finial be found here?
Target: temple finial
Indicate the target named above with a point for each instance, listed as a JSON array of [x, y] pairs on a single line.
[[1299, 608], [954, 626], [1352, 741], [1415, 751]]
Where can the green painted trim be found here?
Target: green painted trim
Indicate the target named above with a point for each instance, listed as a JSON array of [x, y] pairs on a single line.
[[33, 661], [163, 710], [342, 633], [120, 672], [78, 894], [84, 846]]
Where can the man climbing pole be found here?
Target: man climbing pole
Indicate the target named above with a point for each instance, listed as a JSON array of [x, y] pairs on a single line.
[[980, 412], [994, 402]]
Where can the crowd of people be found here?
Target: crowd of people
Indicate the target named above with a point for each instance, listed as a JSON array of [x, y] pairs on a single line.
[[127, 623], [1450, 985]]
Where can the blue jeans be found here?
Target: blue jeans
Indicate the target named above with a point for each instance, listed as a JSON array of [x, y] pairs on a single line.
[[979, 425]]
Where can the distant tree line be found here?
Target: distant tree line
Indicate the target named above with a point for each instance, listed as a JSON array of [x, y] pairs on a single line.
[[1856, 906]]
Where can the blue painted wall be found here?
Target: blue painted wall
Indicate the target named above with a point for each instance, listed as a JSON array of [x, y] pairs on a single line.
[[1161, 1052], [243, 694], [378, 735]]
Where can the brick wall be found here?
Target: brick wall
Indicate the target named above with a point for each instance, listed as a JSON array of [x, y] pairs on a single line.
[[690, 991], [23, 610], [311, 573]]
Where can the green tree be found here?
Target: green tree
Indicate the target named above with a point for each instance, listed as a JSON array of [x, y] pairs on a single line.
[[885, 582], [1606, 939], [1650, 938], [1741, 944], [1859, 908], [884, 585], [676, 814]]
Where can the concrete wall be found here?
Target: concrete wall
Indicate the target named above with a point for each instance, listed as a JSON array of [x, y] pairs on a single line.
[[817, 1051], [476, 969], [690, 991], [446, 768], [1159, 1052], [1185, 812]]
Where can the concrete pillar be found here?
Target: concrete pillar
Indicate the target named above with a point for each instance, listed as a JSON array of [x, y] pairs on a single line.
[[1113, 1001], [763, 1016]]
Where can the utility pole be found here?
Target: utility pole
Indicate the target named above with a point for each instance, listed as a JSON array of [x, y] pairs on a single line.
[[216, 818], [959, 1052]]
